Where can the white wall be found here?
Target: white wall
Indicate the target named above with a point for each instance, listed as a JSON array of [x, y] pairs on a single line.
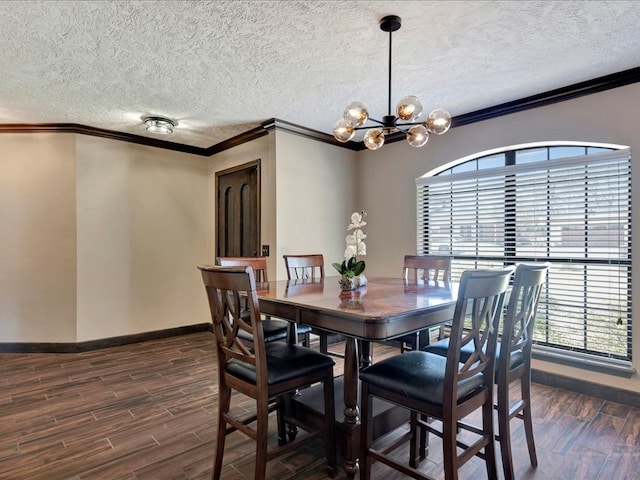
[[144, 224], [37, 238], [387, 178]]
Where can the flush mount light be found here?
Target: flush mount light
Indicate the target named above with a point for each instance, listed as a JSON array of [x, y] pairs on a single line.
[[160, 125], [408, 110]]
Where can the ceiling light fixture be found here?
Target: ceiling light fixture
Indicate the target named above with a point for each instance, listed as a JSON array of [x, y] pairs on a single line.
[[159, 125], [408, 110]]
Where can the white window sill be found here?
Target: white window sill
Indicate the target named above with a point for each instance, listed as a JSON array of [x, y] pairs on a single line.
[[610, 366]]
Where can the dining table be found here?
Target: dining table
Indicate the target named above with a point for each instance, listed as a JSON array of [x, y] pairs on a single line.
[[383, 309]]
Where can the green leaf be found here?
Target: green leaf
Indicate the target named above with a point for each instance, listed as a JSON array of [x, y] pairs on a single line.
[[338, 267], [358, 268], [351, 263]]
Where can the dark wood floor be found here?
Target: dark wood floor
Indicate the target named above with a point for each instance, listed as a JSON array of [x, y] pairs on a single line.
[[147, 412]]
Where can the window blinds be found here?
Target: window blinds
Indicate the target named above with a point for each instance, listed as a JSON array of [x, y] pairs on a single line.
[[572, 212]]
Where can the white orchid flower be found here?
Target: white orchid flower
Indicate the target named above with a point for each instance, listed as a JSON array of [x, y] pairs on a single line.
[[350, 251], [357, 220], [352, 268], [359, 234]]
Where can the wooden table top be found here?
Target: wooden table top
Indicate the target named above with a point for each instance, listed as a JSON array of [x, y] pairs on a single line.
[[382, 309]]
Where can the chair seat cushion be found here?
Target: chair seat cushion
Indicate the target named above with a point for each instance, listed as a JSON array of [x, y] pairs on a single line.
[[418, 375], [274, 329], [284, 362], [442, 346]]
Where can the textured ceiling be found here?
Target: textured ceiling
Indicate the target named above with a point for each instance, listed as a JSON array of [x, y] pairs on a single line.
[[221, 68]]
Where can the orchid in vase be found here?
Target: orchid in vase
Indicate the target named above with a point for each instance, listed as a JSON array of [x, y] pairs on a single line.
[[351, 269]]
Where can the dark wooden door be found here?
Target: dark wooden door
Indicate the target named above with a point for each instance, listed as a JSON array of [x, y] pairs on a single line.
[[238, 211]]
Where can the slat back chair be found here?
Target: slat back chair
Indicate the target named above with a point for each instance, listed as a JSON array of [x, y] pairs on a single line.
[[262, 372], [258, 264], [513, 362], [309, 267], [444, 388], [305, 267], [434, 269], [274, 329]]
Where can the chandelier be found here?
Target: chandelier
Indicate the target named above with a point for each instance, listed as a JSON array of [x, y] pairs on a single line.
[[408, 111]]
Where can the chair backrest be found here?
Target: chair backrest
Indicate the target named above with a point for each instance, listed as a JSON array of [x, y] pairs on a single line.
[[308, 267], [476, 321], [519, 320], [434, 268], [234, 307], [258, 264]]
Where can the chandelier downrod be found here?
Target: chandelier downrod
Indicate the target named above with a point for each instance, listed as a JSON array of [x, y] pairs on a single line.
[[390, 23], [389, 102]]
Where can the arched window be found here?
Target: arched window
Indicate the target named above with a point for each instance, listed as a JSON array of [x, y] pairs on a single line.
[[569, 205]]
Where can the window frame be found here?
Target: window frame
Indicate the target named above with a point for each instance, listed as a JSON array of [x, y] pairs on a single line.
[[617, 364]]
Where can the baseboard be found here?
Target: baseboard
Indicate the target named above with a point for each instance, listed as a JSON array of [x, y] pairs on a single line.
[[579, 385], [605, 392], [103, 342]]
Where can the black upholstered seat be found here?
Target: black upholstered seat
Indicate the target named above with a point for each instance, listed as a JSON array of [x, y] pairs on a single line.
[[275, 330], [441, 347], [284, 362], [417, 375]]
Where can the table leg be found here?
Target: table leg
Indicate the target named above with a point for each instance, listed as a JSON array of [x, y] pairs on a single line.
[[351, 410], [292, 339], [365, 353]]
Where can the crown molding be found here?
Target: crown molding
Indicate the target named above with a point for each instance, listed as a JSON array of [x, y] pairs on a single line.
[[99, 132], [563, 94], [569, 92]]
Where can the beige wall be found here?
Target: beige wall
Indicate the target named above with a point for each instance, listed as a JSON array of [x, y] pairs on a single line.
[[144, 224], [305, 186], [316, 192], [262, 149], [99, 238], [388, 176], [37, 238]]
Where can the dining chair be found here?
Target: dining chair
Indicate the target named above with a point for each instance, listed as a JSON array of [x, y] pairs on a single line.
[[263, 372], [433, 269], [513, 361], [304, 267], [309, 267], [275, 329], [443, 388]]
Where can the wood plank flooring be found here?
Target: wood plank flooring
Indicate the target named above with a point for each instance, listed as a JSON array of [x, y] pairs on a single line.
[[147, 412]]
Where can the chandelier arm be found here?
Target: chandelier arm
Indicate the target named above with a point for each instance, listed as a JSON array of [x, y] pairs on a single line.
[[409, 123], [366, 127]]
